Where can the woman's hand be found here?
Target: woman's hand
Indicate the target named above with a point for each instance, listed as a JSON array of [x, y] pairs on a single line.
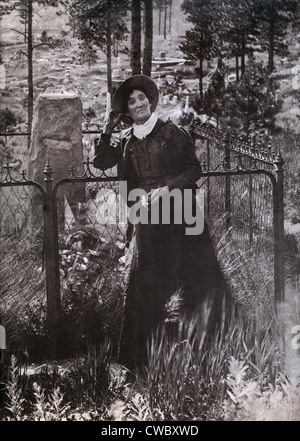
[[111, 123], [158, 193]]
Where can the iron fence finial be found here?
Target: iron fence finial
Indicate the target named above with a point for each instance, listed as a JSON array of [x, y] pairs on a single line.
[[48, 172]]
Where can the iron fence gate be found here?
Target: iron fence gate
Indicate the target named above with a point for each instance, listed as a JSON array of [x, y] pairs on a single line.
[[22, 276], [243, 184]]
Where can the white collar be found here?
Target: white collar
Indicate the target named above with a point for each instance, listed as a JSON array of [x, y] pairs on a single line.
[[142, 130]]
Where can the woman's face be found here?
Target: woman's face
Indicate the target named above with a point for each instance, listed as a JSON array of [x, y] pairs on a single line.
[[138, 107]]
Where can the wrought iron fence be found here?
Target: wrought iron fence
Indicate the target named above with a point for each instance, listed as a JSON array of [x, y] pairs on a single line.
[[244, 202], [246, 192], [14, 150], [22, 276]]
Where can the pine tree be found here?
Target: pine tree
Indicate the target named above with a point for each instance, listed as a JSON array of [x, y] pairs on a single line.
[[100, 23], [250, 106], [238, 28], [201, 43], [147, 59], [273, 18], [26, 10], [136, 37]]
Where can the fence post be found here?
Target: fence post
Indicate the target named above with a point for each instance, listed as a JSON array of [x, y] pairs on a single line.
[[227, 181], [52, 265], [2, 342], [250, 210], [278, 213], [208, 168]]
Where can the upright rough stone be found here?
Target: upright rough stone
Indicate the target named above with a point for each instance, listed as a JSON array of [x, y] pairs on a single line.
[[2, 76], [57, 138]]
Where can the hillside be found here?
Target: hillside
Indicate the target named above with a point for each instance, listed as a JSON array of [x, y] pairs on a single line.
[[61, 69]]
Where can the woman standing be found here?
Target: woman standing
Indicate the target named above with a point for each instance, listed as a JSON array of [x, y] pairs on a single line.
[[155, 156]]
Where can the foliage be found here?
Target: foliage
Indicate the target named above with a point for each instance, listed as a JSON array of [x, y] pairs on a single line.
[[176, 374], [288, 143], [23, 310], [233, 27], [7, 119], [201, 42], [87, 54], [89, 377], [26, 10], [251, 400], [174, 87], [238, 31], [88, 115], [92, 20], [246, 106], [235, 373], [273, 17], [190, 375], [211, 102], [250, 104], [91, 279], [99, 23], [14, 392], [198, 44]]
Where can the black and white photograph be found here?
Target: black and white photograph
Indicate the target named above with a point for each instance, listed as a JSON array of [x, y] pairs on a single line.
[[149, 213]]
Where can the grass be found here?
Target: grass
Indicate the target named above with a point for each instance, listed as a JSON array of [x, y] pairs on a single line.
[[248, 371], [244, 371], [234, 374], [22, 285]]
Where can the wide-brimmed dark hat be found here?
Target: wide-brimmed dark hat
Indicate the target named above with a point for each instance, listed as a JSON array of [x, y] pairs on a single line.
[[138, 82]]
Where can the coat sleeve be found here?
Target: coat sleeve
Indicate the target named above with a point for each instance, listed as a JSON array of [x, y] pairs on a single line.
[[107, 153], [189, 168]]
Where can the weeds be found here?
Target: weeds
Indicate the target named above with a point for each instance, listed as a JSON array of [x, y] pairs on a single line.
[[14, 393], [89, 377], [41, 405], [192, 373], [232, 374], [240, 372]]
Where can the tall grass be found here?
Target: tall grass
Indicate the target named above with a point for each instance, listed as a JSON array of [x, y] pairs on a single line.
[[91, 310], [198, 375], [22, 287], [89, 377], [186, 374], [237, 372], [246, 370]]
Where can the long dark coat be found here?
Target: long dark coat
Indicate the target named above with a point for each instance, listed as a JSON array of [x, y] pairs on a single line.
[[161, 259]]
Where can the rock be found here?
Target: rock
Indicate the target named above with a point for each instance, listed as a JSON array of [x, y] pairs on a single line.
[[57, 138]]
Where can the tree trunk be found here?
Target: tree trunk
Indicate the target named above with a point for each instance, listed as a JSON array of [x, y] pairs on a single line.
[[108, 47], [30, 68], [165, 20], [159, 21], [201, 68], [201, 76], [136, 37], [25, 30], [170, 17], [271, 45], [147, 61], [237, 66], [243, 51]]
